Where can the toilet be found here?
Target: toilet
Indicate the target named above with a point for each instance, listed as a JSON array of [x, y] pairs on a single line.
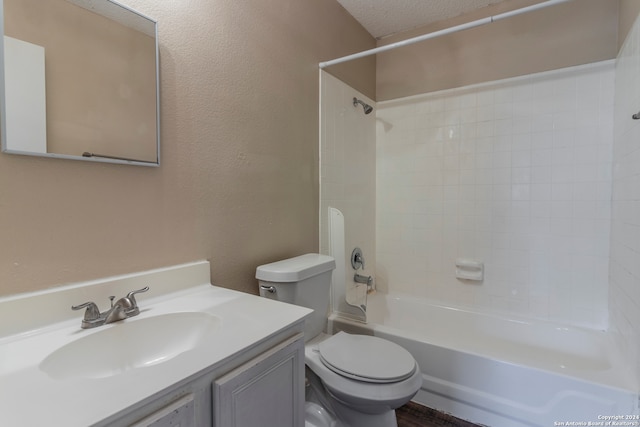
[[354, 380]]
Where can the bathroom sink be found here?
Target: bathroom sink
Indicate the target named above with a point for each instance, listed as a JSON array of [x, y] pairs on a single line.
[[131, 344]]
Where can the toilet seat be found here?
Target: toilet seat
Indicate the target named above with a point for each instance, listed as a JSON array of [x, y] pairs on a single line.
[[366, 358], [363, 396]]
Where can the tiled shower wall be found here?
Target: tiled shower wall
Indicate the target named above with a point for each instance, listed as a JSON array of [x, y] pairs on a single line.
[[624, 293], [515, 173], [347, 171]]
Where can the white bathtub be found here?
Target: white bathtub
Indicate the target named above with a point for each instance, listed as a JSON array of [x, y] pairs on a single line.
[[504, 372]]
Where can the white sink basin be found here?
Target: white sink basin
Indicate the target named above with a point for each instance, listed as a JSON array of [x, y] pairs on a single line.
[[131, 344]]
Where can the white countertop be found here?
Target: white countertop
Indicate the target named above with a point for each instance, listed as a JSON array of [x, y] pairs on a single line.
[[30, 397]]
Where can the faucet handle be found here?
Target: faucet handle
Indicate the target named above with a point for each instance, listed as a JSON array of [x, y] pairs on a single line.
[[92, 312], [131, 294], [134, 310], [357, 259]]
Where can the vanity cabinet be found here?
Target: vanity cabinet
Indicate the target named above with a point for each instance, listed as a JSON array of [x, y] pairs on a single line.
[[266, 391], [196, 355], [262, 386]]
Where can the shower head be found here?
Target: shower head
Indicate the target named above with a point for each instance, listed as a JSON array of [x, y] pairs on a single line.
[[367, 108]]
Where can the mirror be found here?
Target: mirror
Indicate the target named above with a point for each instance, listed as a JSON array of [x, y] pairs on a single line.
[[79, 80]]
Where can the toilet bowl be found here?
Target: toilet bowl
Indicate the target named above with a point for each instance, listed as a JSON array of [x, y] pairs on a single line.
[[316, 416], [358, 380], [360, 395]]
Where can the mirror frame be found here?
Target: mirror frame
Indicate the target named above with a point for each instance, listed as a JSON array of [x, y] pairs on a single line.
[[95, 158]]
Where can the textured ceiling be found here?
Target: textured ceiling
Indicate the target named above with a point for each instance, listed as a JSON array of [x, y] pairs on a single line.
[[385, 17]]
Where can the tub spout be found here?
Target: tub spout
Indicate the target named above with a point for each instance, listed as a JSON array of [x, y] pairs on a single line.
[[359, 278]]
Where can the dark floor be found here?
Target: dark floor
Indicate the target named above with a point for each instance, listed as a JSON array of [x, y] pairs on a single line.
[[414, 415]]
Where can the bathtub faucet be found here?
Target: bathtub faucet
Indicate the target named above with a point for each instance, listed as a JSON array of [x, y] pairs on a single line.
[[359, 278]]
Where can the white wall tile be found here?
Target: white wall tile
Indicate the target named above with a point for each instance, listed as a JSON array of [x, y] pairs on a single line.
[[347, 136], [516, 173], [624, 274]]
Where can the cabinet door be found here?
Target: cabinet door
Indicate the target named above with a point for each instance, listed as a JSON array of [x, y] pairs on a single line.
[[177, 414], [267, 391]]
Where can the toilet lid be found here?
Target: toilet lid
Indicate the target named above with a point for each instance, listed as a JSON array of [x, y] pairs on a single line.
[[366, 358]]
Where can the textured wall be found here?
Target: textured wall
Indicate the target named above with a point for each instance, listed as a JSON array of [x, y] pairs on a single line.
[[239, 178], [573, 33]]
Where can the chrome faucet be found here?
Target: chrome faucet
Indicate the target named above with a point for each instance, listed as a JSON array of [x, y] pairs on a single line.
[[124, 308], [359, 278]]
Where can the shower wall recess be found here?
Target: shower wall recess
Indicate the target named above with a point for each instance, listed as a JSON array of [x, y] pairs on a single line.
[[516, 173], [347, 175], [624, 291]]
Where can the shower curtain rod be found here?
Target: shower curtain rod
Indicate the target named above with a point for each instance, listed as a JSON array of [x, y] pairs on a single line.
[[454, 29]]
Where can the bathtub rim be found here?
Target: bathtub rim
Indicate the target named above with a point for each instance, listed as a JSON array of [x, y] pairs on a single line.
[[613, 377]]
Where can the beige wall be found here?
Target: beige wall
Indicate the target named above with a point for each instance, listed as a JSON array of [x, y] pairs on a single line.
[[98, 73], [569, 34], [629, 10], [355, 73], [238, 183]]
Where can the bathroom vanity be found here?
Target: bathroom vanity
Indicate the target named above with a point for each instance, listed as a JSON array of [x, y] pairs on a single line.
[[196, 355]]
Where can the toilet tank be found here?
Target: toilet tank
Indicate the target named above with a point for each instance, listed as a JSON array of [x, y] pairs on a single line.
[[305, 281]]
